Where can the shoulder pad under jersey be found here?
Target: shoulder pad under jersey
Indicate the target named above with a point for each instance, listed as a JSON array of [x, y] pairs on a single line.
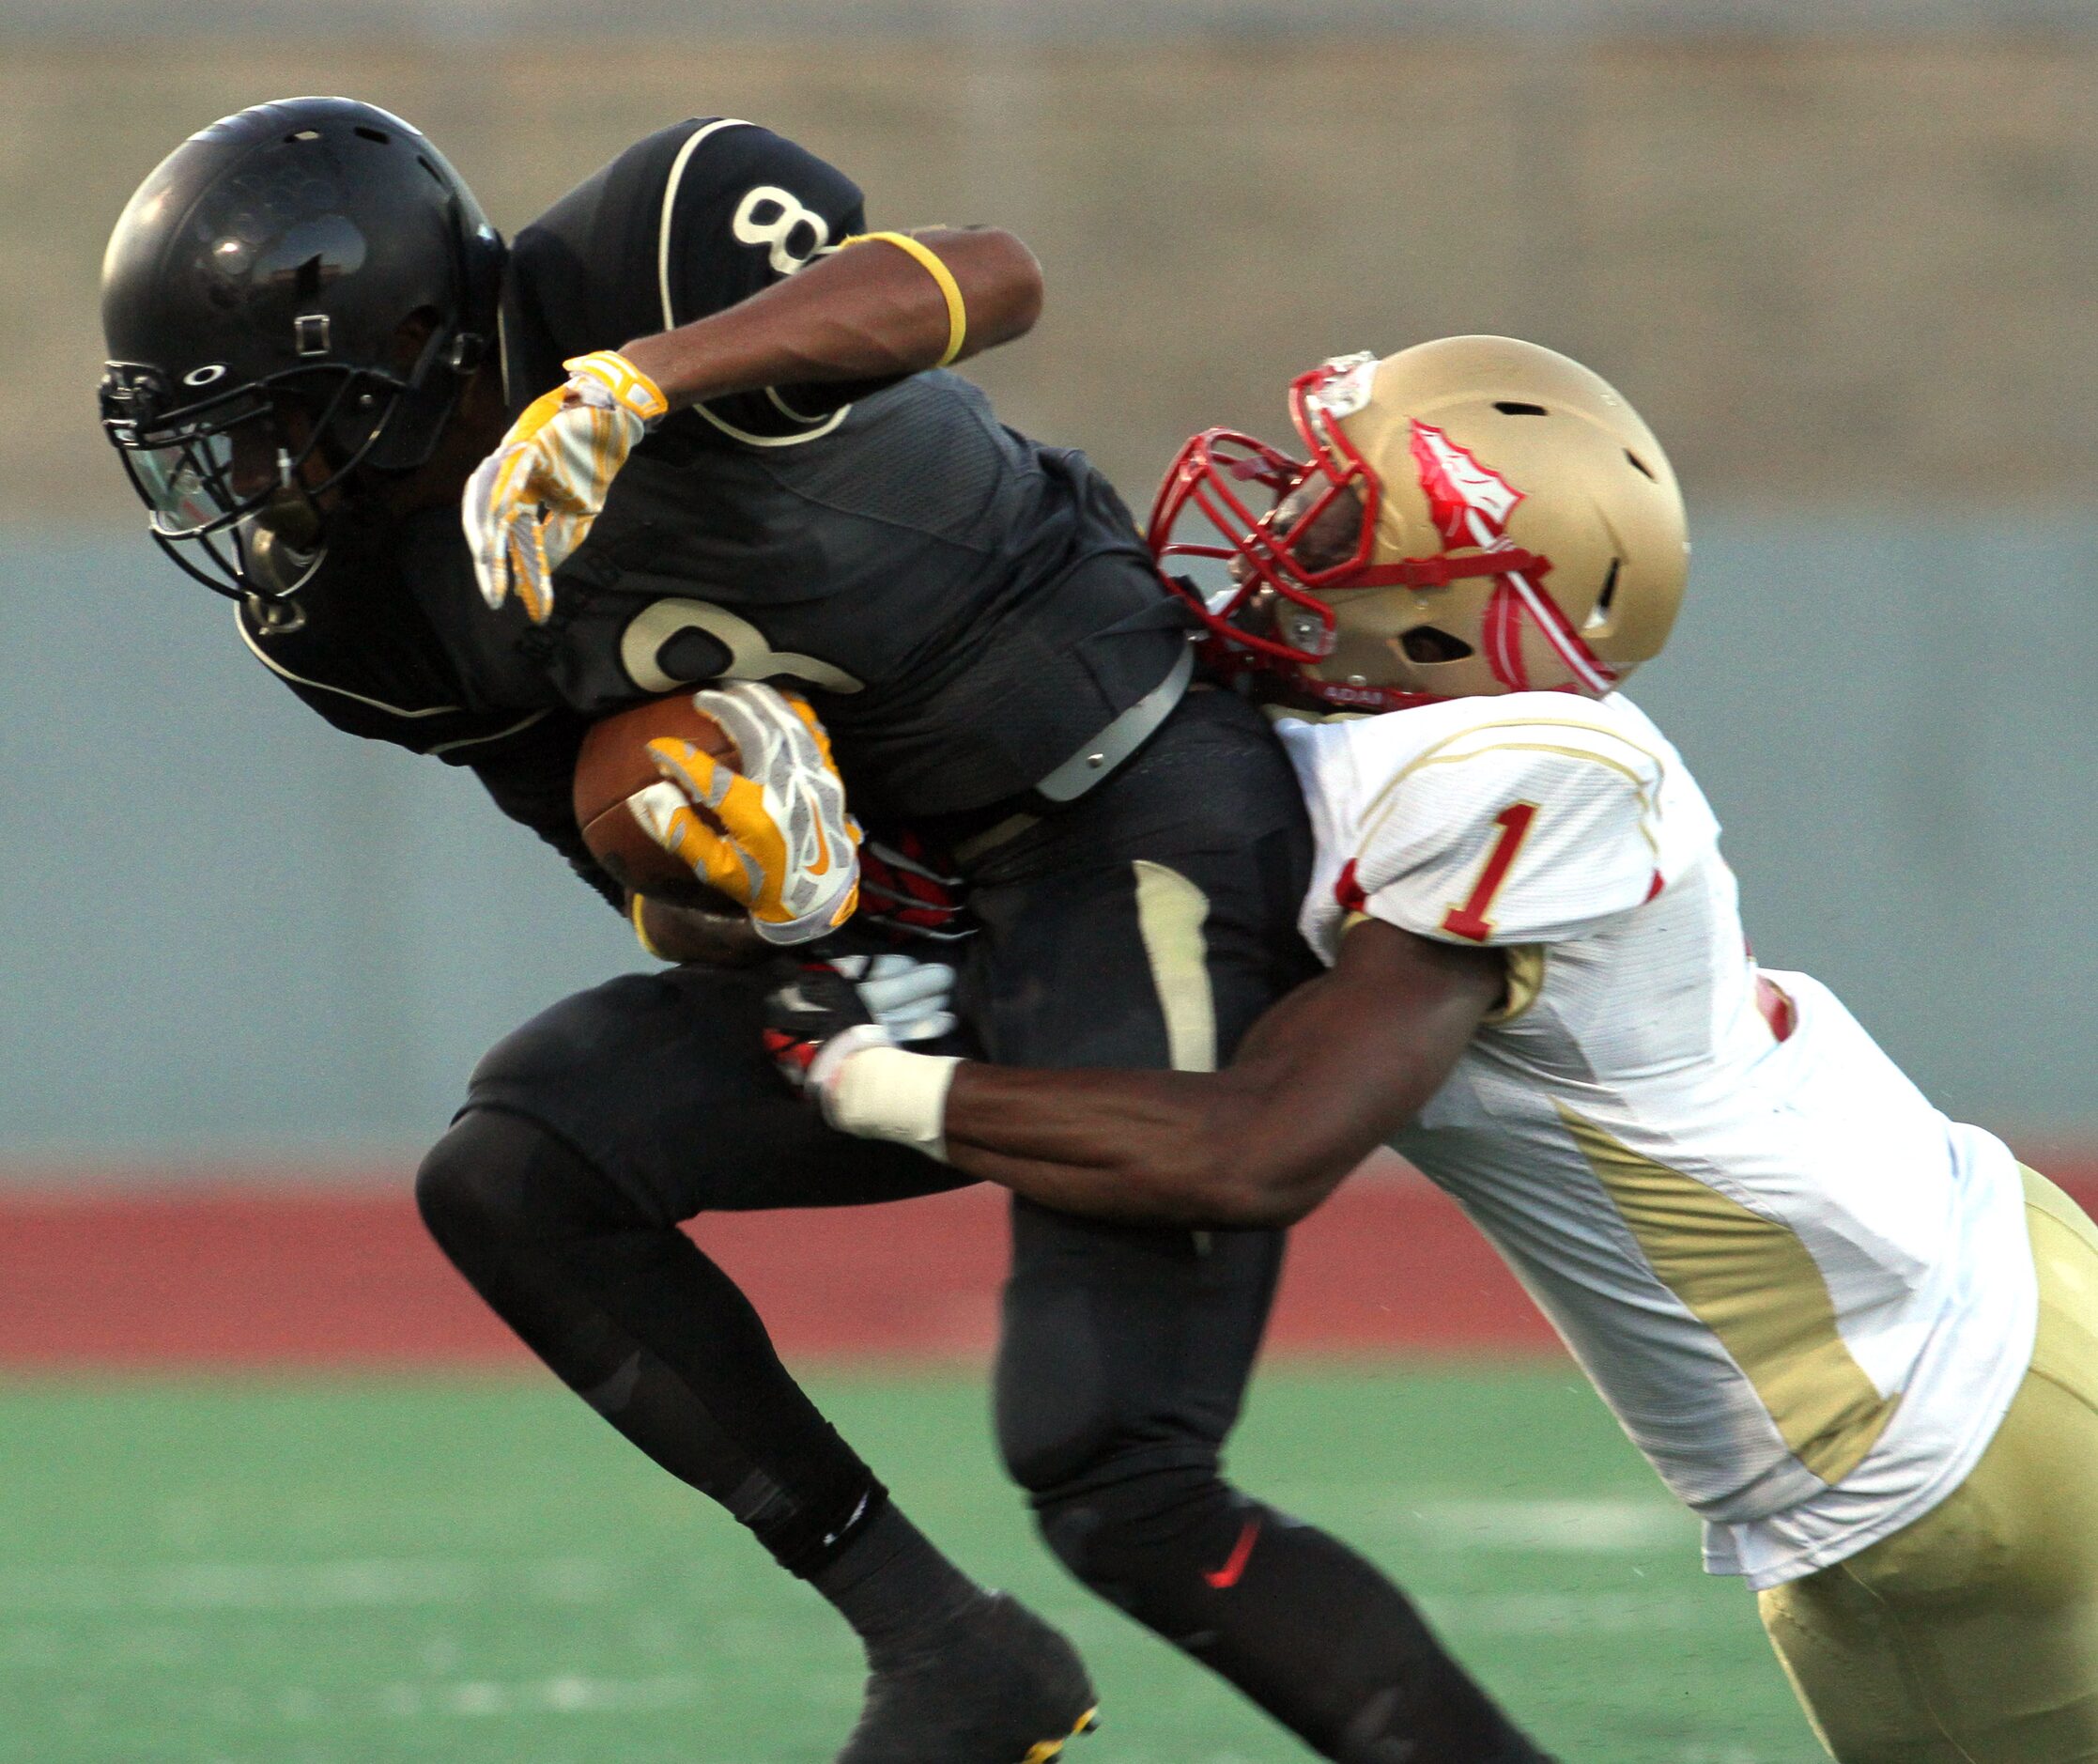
[[1516, 830]]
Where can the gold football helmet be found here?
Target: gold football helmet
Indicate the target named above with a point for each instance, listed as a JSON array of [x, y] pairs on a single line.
[[1476, 516]]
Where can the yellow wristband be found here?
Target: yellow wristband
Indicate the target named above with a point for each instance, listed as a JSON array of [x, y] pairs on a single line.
[[957, 314], [634, 904]]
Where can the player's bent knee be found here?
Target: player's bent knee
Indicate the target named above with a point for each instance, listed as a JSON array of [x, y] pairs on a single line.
[[1047, 1445], [1140, 1539], [1059, 1415], [497, 1178]]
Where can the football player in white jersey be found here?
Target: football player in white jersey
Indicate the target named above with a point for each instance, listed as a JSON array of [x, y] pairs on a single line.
[[1855, 1337]]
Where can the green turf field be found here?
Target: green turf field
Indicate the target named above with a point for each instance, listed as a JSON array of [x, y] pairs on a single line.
[[355, 1571]]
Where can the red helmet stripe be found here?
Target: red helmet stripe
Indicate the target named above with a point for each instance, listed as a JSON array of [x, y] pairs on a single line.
[[1503, 627], [1596, 675], [1447, 566]]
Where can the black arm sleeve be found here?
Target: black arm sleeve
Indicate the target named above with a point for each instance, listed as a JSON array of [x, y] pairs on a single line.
[[682, 225]]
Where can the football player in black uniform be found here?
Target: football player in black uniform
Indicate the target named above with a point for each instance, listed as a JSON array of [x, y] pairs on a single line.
[[709, 442]]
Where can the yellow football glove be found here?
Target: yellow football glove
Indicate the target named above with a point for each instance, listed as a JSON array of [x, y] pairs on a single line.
[[531, 502], [785, 849]]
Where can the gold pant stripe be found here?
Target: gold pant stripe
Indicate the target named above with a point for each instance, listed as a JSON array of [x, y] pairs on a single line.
[[1751, 1281], [1170, 914], [1971, 1635]]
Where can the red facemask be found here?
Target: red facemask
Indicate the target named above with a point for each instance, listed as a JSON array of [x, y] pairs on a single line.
[[1205, 478]]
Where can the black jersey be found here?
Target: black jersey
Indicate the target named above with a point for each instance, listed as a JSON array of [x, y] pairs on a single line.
[[969, 610], [369, 653]]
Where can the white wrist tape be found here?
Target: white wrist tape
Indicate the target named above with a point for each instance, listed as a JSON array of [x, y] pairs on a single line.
[[886, 1094]]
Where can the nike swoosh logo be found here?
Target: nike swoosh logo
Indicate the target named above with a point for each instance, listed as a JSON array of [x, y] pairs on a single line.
[[1224, 1578], [850, 1522], [823, 847]]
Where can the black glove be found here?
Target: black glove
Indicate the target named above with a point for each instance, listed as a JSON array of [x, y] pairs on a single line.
[[893, 999]]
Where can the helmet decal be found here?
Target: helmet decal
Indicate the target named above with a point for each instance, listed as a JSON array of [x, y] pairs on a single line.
[[1471, 502]]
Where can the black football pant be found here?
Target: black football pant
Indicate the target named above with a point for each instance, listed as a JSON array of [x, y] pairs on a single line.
[[1148, 924]]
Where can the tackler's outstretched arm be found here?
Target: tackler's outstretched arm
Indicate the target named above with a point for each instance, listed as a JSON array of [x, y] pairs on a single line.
[[1321, 1080]]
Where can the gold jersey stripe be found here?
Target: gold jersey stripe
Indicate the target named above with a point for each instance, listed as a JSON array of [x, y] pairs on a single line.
[[1752, 1283], [1384, 802], [1434, 752]]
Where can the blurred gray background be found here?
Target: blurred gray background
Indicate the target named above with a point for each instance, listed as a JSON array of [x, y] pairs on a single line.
[[1841, 255]]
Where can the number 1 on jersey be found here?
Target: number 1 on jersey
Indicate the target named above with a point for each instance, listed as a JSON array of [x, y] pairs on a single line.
[[1470, 919]]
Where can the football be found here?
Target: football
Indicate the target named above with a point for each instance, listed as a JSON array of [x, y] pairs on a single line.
[[614, 768]]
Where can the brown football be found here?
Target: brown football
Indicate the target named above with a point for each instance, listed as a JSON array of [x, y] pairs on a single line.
[[613, 767]]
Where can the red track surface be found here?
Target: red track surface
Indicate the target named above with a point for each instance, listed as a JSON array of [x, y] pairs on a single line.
[[251, 1275]]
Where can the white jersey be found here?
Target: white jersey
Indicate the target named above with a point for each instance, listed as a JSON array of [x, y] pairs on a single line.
[[1807, 1294]]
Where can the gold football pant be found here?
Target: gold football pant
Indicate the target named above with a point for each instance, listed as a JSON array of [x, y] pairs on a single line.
[[1972, 1636]]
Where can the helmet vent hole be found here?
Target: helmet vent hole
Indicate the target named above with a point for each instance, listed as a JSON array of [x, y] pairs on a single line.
[[1508, 406], [1600, 615], [1641, 467], [435, 176], [375, 134], [1425, 643], [304, 135]]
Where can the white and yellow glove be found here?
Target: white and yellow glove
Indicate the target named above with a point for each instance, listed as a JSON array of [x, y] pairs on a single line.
[[531, 502], [773, 837]]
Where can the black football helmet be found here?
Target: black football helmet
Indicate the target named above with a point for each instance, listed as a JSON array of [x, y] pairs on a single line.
[[298, 293]]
